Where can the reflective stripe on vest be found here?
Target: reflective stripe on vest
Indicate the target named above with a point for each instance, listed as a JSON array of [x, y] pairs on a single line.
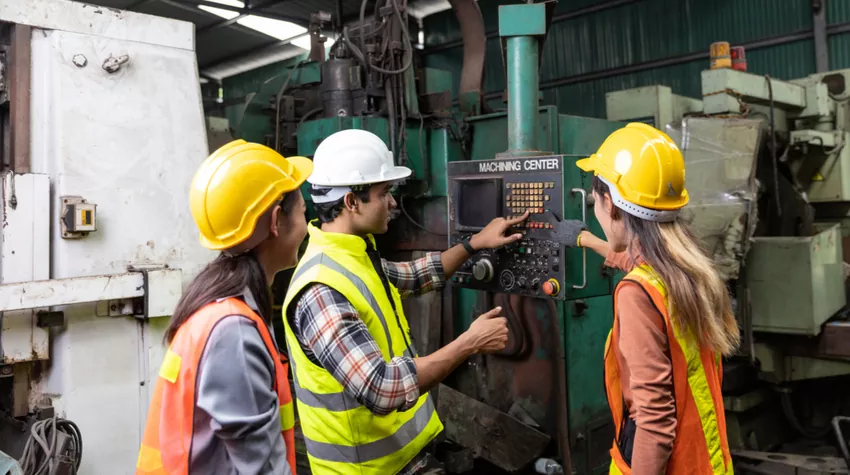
[[339, 401], [342, 435], [166, 443], [696, 378], [403, 436]]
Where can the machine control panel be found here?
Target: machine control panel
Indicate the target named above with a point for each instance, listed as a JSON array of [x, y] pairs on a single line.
[[483, 190]]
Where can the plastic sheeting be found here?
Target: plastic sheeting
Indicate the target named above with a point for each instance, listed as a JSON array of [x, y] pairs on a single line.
[[720, 159]]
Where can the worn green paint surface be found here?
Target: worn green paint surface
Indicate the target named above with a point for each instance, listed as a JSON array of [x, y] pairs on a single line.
[[523, 77], [583, 334], [522, 20], [436, 80]]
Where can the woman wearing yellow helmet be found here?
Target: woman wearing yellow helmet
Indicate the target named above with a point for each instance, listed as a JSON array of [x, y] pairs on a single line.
[[672, 314], [222, 401]]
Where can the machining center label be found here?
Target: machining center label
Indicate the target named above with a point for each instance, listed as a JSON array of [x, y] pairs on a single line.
[[528, 165]]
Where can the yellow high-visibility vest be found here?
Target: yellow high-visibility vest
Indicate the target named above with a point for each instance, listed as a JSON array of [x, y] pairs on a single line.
[[341, 435]]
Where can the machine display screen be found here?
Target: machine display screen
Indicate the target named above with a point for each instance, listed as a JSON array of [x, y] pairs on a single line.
[[478, 201]]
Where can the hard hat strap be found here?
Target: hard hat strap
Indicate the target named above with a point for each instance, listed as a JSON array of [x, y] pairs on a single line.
[[659, 216], [328, 194]]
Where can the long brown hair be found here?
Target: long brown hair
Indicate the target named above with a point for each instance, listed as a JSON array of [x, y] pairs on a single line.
[[228, 277], [694, 288]]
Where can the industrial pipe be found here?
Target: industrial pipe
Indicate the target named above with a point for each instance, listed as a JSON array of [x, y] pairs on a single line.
[[523, 93]]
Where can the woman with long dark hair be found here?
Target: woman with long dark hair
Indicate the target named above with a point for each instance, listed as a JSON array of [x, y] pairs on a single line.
[[222, 401], [673, 319]]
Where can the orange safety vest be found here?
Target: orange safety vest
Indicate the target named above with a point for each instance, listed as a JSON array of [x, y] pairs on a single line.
[[168, 433], [700, 447]]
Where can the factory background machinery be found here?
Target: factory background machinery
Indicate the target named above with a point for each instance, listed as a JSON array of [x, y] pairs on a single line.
[[768, 193], [472, 164], [113, 104], [101, 131], [768, 165]]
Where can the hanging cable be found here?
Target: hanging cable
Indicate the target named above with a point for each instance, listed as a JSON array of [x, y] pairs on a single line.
[[41, 455], [405, 39], [402, 129], [414, 222], [791, 416]]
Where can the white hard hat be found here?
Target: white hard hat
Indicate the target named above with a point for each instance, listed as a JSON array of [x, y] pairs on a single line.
[[354, 157]]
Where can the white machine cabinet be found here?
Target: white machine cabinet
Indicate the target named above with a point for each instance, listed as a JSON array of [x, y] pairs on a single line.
[[116, 134]]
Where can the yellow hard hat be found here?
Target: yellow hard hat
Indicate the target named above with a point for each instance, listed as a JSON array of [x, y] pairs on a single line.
[[237, 184], [644, 170]]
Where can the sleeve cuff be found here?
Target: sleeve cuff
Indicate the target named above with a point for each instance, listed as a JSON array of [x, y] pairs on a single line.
[[411, 390], [610, 259], [435, 266]]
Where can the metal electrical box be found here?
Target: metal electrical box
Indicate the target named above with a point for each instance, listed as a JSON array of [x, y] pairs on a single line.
[[796, 283], [825, 169]]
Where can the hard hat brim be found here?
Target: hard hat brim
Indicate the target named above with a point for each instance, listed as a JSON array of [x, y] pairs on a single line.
[[304, 166], [587, 164], [396, 174]]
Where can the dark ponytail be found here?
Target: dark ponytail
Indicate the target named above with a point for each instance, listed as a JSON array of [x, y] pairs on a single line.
[[228, 277]]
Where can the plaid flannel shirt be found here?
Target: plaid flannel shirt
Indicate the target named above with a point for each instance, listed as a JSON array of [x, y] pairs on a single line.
[[333, 336]]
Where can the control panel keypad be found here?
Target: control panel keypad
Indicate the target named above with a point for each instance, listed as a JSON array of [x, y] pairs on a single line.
[[529, 196]]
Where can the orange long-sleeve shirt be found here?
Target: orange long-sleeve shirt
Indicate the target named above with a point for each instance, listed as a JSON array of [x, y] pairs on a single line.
[[645, 372]]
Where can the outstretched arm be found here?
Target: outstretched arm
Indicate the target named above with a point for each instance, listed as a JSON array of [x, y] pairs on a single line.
[[491, 237], [618, 260], [599, 246]]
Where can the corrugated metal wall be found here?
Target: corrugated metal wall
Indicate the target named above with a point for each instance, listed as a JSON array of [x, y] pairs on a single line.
[[585, 51]]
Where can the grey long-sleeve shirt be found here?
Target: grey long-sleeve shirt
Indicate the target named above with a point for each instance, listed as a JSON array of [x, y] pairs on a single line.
[[237, 421]]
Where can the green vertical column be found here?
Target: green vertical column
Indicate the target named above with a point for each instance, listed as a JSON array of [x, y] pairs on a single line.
[[522, 27], [523, 93]]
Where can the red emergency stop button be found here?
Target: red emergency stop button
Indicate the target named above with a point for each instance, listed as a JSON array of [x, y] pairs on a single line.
[[551, 287]]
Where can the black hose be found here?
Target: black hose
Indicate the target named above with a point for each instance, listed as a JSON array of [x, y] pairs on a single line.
[[388, 88], [406, 39], [788, 409], [402, 130], [773, 147], [363, 27], [309, 114]]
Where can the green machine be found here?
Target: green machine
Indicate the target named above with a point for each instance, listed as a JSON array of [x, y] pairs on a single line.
[[770, 198], [540, 405]]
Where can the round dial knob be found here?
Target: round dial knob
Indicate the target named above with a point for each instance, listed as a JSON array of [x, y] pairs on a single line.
[[521, 282], [483, 270], [506, 279], [535, 284]]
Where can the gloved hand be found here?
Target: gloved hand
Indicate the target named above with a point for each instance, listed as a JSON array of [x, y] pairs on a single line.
[[567, 231]]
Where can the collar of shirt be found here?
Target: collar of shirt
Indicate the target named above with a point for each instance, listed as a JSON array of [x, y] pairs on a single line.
[[347, 242]]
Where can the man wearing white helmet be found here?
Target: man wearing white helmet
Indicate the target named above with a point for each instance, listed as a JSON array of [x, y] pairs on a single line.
[[362, 389]]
